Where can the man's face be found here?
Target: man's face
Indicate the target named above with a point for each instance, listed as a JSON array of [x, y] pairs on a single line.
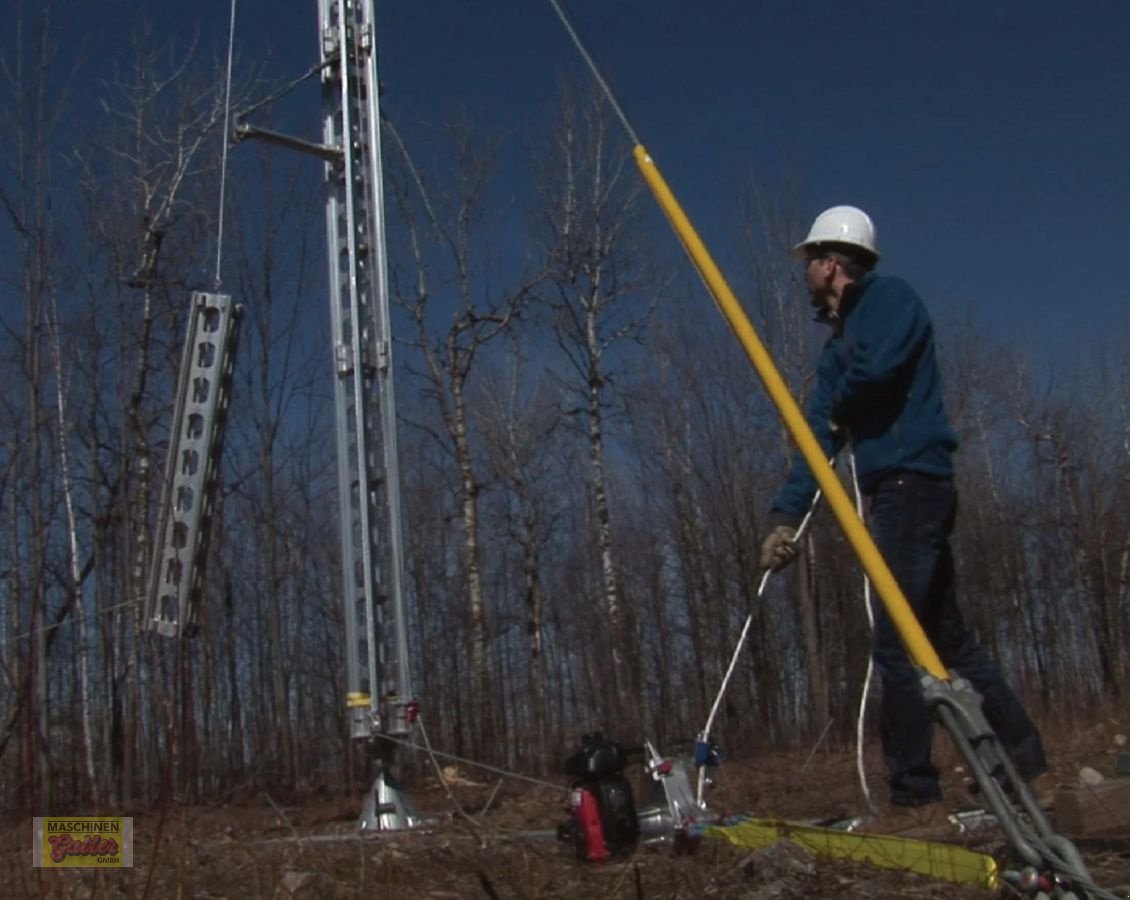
[[818, 272]]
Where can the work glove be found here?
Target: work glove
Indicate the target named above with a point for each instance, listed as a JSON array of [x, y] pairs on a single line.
[[779, 548]]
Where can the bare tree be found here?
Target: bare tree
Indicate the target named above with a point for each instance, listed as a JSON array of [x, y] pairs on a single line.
[[74, 564], [26, 197], [519, 422], [600, 299], [449, 282], [275, 436], [1066, 441], [147, 179]]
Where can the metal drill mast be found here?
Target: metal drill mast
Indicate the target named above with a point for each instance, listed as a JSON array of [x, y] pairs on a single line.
[[378, 682], [377, 677]]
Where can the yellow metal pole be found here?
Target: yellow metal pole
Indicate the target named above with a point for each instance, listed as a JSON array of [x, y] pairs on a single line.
[[917, 644]]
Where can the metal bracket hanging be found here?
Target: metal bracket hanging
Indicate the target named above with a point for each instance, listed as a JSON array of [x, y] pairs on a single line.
[[192, 469]]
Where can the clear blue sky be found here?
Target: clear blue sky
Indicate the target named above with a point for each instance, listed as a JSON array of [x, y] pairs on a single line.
[[987, 139]]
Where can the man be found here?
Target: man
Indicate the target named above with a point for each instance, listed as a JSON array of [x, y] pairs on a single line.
[[878, 387]]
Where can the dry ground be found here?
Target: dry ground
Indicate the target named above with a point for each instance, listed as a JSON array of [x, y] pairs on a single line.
[[504, 847]]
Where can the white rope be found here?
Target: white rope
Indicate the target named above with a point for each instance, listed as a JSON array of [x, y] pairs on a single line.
[[863, 786], [224, 151], [704, 735], [867, 600], [434, 754]]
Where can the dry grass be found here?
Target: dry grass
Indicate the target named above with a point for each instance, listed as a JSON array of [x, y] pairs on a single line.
[[504, 850]]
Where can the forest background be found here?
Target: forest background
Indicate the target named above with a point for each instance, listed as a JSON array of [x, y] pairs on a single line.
[[587, 457]]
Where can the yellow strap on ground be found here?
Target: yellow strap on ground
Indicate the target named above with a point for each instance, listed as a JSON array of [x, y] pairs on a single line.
[[945, 862]]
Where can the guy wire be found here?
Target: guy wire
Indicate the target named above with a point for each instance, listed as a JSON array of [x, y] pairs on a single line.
[[505, 773], [224, 150], [596, 72]]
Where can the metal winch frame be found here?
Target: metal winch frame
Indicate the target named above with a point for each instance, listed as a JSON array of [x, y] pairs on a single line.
[[670, 811]]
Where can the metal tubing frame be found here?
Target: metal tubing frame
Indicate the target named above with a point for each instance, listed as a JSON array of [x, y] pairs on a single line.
[[378, 681]]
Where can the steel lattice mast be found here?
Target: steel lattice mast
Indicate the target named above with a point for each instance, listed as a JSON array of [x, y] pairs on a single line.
[[377, 677]]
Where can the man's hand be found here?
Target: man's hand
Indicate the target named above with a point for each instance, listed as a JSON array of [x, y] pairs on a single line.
[[779, 548]]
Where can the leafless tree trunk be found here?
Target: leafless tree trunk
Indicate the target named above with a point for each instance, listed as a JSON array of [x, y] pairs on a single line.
[[74, 568], [34, 116], [599, 301], [272, 261], [146, 181], [478, 314], [519, 424], [782, 313]]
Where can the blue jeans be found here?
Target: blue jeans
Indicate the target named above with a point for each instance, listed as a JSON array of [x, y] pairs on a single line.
[[911, 518]]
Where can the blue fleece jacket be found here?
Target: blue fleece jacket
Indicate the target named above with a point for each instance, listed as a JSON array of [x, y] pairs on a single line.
[[877, 379]]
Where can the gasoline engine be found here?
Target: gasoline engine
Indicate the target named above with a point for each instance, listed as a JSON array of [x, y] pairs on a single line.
[[604, 819], [602, 810]]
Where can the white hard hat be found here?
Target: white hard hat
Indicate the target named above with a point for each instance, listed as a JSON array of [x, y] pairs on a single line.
[[841, 225]]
